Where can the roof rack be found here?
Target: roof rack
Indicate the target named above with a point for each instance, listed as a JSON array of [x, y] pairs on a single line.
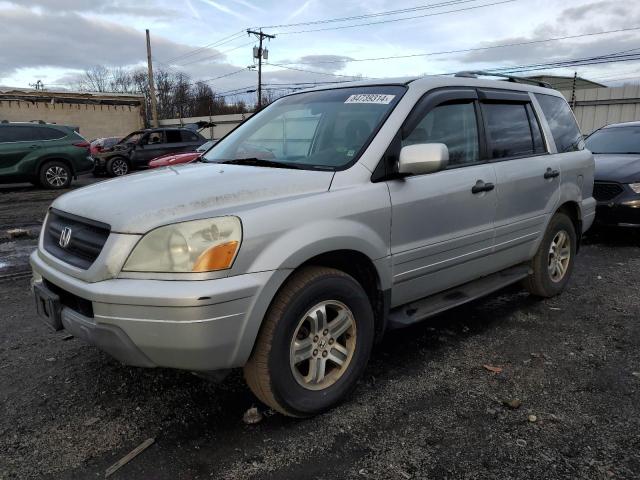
[[510, 78]]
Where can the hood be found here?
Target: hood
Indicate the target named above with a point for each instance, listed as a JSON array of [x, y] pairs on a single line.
[[617, 168], [140, 202]]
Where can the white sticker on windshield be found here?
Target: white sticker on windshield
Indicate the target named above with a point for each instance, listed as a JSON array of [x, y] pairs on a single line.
[[370, 98]]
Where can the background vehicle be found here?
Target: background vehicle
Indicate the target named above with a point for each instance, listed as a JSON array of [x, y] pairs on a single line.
[[101, 144], [178, 158], [48, 155], [138, 148], [325, 219], [616, 149]]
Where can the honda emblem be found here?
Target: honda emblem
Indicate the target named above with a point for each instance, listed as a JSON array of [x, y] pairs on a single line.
[[65, 237]]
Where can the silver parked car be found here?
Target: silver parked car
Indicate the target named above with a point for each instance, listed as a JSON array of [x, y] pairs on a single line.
[[322, 221]]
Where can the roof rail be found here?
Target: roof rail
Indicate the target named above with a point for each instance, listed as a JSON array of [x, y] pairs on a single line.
[[510, 78]]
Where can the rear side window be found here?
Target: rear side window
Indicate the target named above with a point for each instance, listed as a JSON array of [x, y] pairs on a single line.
[[173, 136], [563, 125], [46, 133], [189, 136], [510, 130], [454, 125], [20, 133]]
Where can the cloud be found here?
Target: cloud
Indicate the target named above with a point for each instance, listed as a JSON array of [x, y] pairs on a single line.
[[590, 18], [224, 9], [72, 41], [108, 7], [302, 8], [327, 63]]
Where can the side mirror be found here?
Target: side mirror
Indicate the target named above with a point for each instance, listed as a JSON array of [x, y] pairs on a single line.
[[423, 158]]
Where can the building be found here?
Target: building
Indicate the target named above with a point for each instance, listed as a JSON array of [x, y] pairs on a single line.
[[566, 83], [94, 114]]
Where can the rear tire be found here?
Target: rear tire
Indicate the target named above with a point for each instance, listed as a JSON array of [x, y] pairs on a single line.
[[553, 264], [55, 175], [314, 343], [117, 166]]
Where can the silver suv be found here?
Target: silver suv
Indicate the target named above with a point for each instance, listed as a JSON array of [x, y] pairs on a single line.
[[321, 222]]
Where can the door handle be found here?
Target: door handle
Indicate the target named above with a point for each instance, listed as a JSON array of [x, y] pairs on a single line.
[[34, 146], [480, 187], [551, 173]]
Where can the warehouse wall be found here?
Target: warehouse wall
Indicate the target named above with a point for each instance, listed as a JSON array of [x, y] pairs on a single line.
[[597, 107], [93, 120]]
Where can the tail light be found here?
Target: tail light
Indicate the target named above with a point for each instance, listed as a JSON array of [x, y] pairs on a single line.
[[82, 144]]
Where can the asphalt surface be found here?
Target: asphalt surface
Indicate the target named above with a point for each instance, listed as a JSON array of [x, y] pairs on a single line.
[[426, 407]]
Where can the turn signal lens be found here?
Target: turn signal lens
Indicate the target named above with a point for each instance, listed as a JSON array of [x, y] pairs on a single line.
[[218, 257]]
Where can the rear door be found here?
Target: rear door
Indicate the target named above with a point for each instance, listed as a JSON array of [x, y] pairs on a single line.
[[191, 140], [442, 232], [16, 143], [528, 177]]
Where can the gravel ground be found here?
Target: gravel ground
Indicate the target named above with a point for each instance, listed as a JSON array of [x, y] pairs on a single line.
[[426, 407]]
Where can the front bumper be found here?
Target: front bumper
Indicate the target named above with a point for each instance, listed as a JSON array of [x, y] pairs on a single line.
[[623, 211], [194, 325]]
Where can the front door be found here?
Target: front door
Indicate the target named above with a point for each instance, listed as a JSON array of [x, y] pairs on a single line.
[[442, 227]]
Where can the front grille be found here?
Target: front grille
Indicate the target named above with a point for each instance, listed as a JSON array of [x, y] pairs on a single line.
[[68, 299], [603, 192], [86, 239]]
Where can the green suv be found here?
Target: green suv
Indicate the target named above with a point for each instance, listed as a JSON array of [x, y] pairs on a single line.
[[44, 154]]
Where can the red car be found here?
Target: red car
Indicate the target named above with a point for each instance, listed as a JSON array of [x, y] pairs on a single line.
[[178, 158], [101, 144]]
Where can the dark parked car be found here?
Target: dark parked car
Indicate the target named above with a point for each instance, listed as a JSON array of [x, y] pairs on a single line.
[[135, 150], [44, 154], [616, 149]]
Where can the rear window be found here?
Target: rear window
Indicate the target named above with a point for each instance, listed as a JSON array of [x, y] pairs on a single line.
[[511, 130], [563, 124]]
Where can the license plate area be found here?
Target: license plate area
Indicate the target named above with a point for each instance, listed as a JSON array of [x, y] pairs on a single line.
[[48, 306]]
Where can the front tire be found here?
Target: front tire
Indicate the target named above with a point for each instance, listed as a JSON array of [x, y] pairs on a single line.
[[55, 175], [314, 343], [553, 264]]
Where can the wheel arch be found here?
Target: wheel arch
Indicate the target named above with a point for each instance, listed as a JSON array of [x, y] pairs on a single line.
[[56, 158], [572, 210]]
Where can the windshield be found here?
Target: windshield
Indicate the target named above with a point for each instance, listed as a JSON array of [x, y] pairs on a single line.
[[315, 130], [205, 146], [615, 140], [131, 138]]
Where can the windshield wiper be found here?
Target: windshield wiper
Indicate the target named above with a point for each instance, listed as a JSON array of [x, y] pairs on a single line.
[[259, 162]]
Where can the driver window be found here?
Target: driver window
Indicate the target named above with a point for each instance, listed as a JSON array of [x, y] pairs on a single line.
[[453, 124], [154, 137]]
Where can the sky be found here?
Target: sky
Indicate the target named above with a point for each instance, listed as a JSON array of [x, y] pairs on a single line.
[[55, 41]]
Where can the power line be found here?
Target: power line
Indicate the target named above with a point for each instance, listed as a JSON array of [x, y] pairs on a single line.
[[370, 15], [222, 41], [397, 19], [316, 72], [464, 50], [211, 57]]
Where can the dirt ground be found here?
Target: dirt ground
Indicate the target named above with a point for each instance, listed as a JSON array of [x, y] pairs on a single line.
[[426, 407]]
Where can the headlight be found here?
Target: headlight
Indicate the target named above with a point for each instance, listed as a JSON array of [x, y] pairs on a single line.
[[635, 187], [196, 246]]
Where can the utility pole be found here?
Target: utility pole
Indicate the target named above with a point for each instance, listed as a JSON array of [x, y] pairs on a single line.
[[152, 88], [259, 53], [573, 91]]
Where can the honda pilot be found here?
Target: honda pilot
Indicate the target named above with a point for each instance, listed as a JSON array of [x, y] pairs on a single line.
[[320, 223]]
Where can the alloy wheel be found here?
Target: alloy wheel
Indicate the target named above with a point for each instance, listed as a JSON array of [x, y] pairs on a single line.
[[323, 345], [559, 256], [119, 167], [56, 176]]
